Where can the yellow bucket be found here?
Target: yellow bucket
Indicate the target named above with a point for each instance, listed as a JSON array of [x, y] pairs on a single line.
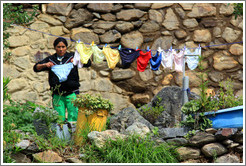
[[85, 124]]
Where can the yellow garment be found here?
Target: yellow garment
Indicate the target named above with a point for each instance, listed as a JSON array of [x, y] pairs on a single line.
[[112, 56], [98, 55], [84, 52]]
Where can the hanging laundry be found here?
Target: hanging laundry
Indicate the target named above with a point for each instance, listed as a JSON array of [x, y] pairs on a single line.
[[128, 56], [98, 55], [62, 71], [84, 51], [178, 60], [193, 60], [112, 56], [167, 59], [76, 60], [155, 61], [142, 60]]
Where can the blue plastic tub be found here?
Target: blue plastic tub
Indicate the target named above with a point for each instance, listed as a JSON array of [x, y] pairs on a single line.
[[227, 118]]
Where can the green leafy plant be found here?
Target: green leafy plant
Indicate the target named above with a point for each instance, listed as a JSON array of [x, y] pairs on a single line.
[[6, 96], [152, 113], [13, 14], [133, 149], [238, 9], [92, 103]]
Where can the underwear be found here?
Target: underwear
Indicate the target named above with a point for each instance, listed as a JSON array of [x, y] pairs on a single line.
[[128, 56], [62, 71], [179, 61], [98, 55], [142, 60], [192, 61], [155, 61], [76, 60], [85, 52], [167, 59], [112, 56]]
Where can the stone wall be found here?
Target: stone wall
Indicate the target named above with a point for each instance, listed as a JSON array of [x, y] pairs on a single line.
[[131, 25]]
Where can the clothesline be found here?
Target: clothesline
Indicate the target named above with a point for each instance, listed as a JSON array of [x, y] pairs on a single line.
[[216, 45]]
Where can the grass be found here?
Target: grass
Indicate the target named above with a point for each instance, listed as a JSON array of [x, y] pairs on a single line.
[[134, 149]]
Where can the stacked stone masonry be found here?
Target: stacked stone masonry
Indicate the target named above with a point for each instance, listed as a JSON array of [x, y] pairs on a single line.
[[130, 25]]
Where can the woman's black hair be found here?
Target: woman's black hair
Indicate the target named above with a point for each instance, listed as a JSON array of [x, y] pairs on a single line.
[[58, 40]]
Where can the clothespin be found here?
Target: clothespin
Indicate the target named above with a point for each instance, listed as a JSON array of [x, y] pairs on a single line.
[[79, 41], [171, 48], [136, 47], [199, 46], [105, 45], [119, 47], [92, 43], [148, 48]]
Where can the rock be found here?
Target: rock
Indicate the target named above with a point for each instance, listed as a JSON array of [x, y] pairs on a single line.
[[100, 138], [20, 158], [77, 18], [202, 10], [49, 19], [202, 36], [124, 27], [85, 35], [17, 41], [17, 85], [110, 36], [238, 75], [100, 7], [47, 157], [239, 149], [238, 137], [117, 7], [180, 34], [141, 99], [240, 60], [130, 14], [217, 32], [207, 22], [187, 6], [126, 118], [99, 31], [142, 6], [23, 63], [150, 26], [213, 149], [230, 35], [74, 160], [109, 17], [23, 144], [160, 5], [132, 40], [59, 8], [228, 158], [211, 130], [155, 16], [10, 71], [180, 12], [164, 120], [21, 51], [118, 75], [223, 61], [216, 76], [163, 42], [177, 141], [201, 138], [146, 75], [236, 49], [170, 21], [227, 9], [106, 25], [137, 128], [217, 45], [186, 153], [57, 30], [167, 133]]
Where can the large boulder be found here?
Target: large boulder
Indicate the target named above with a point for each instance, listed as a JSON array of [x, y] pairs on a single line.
[[126, 118]]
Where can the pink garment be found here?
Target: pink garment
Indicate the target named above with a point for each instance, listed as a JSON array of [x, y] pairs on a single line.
[[178, 60], [76, 59]]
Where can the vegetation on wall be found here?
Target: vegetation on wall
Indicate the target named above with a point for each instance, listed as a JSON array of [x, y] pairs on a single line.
[[14, 15]]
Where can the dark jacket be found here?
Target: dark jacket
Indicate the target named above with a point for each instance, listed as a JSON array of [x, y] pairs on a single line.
[[71, 84]]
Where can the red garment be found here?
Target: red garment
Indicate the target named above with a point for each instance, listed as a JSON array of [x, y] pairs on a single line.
[[142, 60]]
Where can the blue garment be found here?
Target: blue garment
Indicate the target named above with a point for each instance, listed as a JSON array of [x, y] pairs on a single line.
[[62, 71], [193, 59], [155, 61], [128, 56]]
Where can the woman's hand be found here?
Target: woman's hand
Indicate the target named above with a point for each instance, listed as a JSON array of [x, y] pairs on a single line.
[[49, 64]]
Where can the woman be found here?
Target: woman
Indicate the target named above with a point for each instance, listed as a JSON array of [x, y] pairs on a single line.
[[63, 79]]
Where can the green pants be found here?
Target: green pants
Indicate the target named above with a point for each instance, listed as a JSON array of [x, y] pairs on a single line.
[[61, 103]]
